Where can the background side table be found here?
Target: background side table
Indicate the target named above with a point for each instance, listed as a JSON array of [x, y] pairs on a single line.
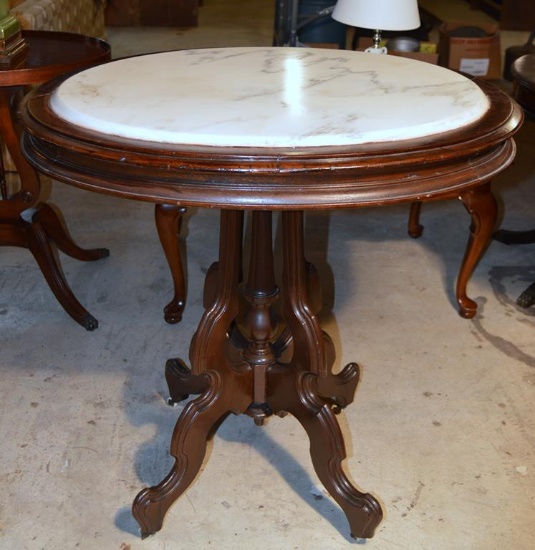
[[24, 220]]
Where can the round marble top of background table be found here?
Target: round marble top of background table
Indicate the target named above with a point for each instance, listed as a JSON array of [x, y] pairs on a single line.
[[269, 97]]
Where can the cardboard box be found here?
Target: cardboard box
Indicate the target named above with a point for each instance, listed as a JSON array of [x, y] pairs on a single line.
[[475, 56], [427, 53]]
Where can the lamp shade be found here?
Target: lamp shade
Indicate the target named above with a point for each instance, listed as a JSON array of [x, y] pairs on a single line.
[[387, 15]]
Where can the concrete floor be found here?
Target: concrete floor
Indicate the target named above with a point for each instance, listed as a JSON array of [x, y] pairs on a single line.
[[442, 430]]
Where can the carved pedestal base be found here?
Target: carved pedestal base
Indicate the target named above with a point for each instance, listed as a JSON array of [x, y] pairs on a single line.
[[260, 351]]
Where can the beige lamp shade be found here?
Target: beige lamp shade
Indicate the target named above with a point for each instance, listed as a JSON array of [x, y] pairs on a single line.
[[387, 15]]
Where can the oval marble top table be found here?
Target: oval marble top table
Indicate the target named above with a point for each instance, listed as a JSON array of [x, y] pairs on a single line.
[[267, 129], [265, 97], [379, 129]]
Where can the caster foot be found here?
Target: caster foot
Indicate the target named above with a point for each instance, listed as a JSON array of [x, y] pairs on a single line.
[[144, 535], [172, 402]]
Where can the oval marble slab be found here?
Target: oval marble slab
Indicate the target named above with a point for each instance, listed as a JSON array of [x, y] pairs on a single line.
[[269, 97]]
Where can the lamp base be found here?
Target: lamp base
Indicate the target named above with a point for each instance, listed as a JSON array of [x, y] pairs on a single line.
[[377, 49]]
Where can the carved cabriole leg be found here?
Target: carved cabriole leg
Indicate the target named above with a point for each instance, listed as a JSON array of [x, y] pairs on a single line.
[[482, 207], [299, 390], [224, 390], [168, 222]]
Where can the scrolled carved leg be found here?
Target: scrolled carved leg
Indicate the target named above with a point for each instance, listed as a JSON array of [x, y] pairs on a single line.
[[194, 428], [223, 390], [309, 390], [327, 451], [168, 221], [317, 415], [482, 207], [192, 433]]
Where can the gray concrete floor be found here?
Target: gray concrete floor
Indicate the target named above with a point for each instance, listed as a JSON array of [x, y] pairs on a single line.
[[442, 430]]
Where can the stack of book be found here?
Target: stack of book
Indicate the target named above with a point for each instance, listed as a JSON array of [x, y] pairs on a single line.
[[12, 44]]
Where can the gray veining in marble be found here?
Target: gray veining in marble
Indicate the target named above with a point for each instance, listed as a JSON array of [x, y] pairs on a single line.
[[269, 97]]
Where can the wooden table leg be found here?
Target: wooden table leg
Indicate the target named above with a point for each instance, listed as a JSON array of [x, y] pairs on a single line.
[[168, 222], [483, 209], [481, 205], [415, 227], [238, 366], [43, 235], [224, 390], [309, 390]]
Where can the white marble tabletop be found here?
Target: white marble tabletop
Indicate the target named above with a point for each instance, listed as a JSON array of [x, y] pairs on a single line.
[[269, 97]]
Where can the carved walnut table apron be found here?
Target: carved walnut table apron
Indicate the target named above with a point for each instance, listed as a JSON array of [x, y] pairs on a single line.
[[263, 130]]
